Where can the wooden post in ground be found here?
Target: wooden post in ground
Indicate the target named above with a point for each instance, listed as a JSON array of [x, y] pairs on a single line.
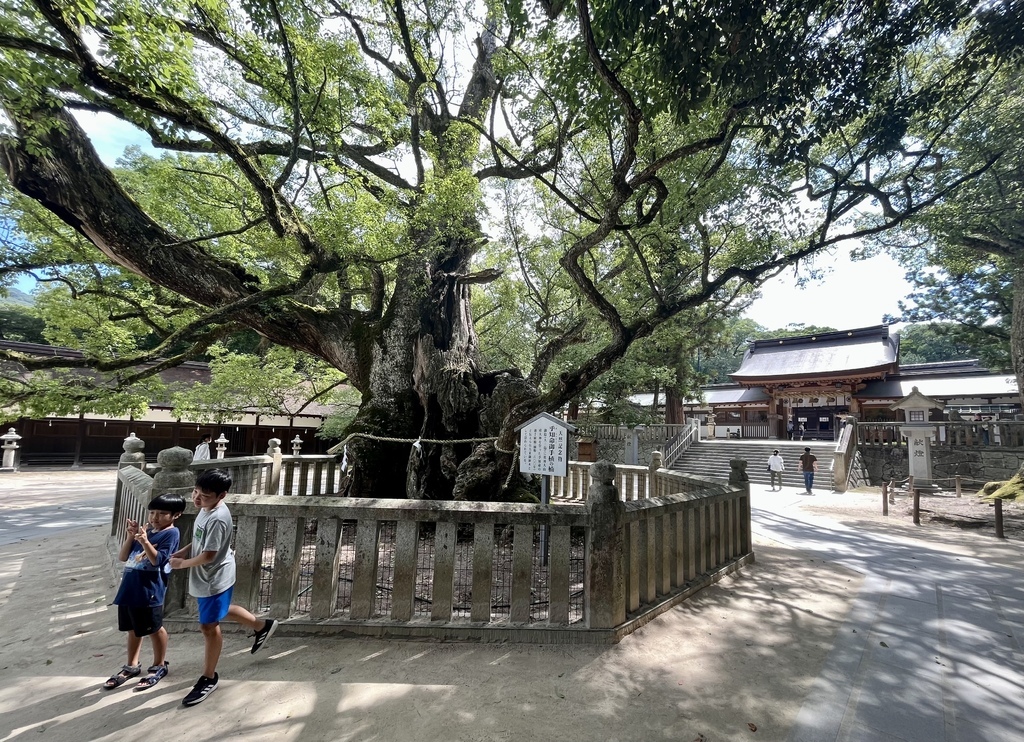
[[917, 507], [959, 485], [885, 498], [999, 519]]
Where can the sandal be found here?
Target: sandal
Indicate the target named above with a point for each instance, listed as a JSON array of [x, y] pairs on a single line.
[[121, 676], [155, 673]]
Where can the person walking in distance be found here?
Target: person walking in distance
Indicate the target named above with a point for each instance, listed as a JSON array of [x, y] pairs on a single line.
[[775, 467], [808, 465], [203, 449], [211, 564]]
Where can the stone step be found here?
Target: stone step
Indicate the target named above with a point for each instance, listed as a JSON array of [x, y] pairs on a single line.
[[711, 458]]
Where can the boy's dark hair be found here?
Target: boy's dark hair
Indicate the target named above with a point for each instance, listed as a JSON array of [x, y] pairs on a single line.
[[217, 481], [167, 502]]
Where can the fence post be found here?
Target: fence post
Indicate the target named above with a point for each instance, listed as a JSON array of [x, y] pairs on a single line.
[[657, 461], [133, 457], [959, 485], [917, 507], [885, 498], [274, 475], [604, 598], [999, 518]]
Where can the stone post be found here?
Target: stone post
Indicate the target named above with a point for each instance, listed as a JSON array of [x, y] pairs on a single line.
[[12, 451], [738, 472], [604, 598], [132, 457], [657, 461], [222, 445], [273, 482], [175, 477], [738, 478]]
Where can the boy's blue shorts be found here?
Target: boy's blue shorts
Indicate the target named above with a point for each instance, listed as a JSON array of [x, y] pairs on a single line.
[[214, 608]]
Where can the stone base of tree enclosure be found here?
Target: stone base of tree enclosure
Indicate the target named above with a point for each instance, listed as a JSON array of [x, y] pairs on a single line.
[[475, 571]]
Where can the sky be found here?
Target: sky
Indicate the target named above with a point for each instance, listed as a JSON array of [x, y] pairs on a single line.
[[851, 294]]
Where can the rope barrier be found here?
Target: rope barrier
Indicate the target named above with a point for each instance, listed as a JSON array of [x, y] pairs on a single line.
[[386, 439]]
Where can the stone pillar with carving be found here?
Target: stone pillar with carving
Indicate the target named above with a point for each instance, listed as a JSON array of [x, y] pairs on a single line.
[[605, 596], [918, 431]]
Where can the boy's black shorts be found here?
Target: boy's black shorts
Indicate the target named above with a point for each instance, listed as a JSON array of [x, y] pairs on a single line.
[[142, 619]]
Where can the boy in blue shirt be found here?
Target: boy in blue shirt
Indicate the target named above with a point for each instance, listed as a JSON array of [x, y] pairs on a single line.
[[146, 553]]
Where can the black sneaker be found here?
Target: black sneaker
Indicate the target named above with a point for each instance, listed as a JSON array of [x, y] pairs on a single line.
[[261, 637], [203, 687]]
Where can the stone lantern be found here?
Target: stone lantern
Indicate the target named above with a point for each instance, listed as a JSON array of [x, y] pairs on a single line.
[[918, 431], [296, 445], [11, 450], [222, 445]]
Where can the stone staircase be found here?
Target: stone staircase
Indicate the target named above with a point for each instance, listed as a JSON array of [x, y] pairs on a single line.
[[710, 458]]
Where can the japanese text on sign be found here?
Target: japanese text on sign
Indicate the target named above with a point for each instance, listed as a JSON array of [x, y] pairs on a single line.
[[542, 449]]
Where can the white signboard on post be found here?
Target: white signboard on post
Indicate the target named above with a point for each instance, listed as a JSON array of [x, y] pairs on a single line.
[[543, 445]]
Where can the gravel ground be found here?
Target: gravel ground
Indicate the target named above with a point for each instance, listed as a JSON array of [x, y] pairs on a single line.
[[967, 514]]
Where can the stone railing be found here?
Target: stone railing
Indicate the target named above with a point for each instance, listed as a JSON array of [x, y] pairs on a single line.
[[631, 482], [476, 570], [272, 473], [957, 434]]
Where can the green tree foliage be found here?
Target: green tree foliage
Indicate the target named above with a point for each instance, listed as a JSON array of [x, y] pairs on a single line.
[[332, 173], [964, 311], [937, 342], [20, 322], [966, 256]]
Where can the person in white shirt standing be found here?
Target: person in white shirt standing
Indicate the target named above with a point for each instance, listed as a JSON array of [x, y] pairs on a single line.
[[775, 467], [203, 449]]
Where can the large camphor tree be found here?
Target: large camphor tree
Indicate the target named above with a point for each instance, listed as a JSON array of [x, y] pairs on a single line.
[[334, 171]]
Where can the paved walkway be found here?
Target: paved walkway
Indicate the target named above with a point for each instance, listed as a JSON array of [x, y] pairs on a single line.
[[848, 627], [932, 648]]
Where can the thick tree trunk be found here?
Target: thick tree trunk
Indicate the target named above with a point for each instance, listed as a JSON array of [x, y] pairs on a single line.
[[427, 384], [674, 414]]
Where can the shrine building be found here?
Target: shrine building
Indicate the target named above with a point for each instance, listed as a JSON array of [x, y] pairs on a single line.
[[814, 381]]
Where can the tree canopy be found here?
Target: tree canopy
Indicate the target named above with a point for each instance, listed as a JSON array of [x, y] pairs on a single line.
[[337, 175]]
